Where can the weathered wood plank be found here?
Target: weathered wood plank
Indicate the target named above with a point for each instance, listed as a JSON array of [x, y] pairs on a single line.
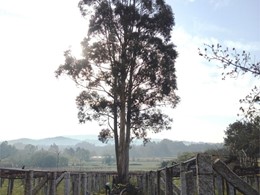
[[53, 177], [230, 189], [67, 184], [28, 189], [183, 169], [10, 186], [158, 180], [232, 178], [168, 182], [60, 178], [191, 188], [219, 185], [40, 185], [84, 183], [204, 175]]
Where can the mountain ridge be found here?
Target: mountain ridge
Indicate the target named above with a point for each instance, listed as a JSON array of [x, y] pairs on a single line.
[[70, 140]]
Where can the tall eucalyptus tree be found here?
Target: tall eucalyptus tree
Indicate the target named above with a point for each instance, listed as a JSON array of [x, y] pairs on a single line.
[[127, 71]]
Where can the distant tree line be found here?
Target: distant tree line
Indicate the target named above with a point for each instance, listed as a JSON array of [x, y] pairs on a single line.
[[52, 156], [32, 156]]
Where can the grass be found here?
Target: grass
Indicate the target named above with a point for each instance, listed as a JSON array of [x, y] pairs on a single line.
[[137, 165]]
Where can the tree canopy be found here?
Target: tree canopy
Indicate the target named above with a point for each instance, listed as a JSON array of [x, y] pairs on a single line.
[[127, 70], [243, 136]]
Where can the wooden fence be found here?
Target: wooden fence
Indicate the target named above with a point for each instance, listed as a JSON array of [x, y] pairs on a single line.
[[198, 175], [201, 176]]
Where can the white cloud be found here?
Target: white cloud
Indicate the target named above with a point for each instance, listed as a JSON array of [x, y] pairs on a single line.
[[208, 104], [220, 3]]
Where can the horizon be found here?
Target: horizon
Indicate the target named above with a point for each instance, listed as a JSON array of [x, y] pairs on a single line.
[[91, 137]]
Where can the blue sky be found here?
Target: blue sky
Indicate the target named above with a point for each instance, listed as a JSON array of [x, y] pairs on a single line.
[[33, 37], [224, 19]]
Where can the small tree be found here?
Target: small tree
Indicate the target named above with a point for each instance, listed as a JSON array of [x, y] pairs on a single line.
[[6, 150], [243, 136], [127, 71], [234, 64]]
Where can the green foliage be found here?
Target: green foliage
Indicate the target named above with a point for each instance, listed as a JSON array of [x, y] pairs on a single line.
[[109, 160], [54, 148], [127, 61], [63, 161], [221, 153], [166, 163], [186, 156], [244, 136], [43, 159], [127, 70], [18, 188], [82, 154], [6, 150]]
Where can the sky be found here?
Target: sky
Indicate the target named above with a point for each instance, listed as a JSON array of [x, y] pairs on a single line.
[[33, 38]]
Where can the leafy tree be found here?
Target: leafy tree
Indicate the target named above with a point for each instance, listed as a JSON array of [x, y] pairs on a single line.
[[108, 160], [63, 161], [127, 71], [6, 150], [234, 64], [43, 159], [30, 149], [54, 148], [82, 154], [244, 136], [70, 152], [23, 156]]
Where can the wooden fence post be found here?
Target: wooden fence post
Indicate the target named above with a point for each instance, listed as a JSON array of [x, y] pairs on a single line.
[[158, 174], [147, 187], [168, 182], [230, 189], [76, 184], [67, 184], [143, 183], [190, 184], [152, 183], [28, 189], [219, 184], [10, 186], [53, 189], [90, 182], [183, 180], [84, 183], [187, 181], [204, 174]]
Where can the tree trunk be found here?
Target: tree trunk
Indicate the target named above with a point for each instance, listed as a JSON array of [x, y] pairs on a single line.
[[115, 132], [123, 153]]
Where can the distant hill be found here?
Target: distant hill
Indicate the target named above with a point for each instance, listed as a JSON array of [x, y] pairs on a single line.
[[23, 141], [156, 148], [60, 141]]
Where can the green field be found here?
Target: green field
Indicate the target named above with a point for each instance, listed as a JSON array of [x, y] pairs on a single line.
[[144, 164]]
